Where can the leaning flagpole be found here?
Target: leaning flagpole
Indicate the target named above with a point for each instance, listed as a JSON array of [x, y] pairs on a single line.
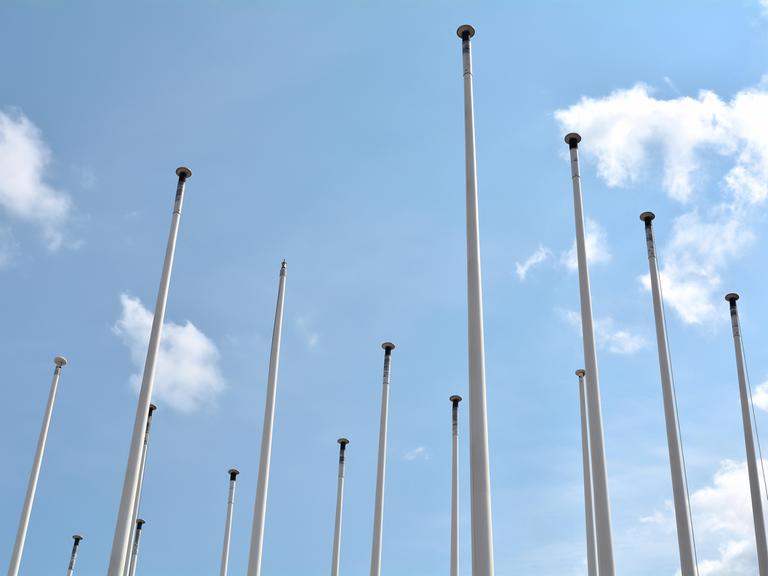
[[754, 479], [119, 556], [480, 475], [589, 507], [685, 541], [26, 511], [262, 483], [73, 557], [597, 448], [455, 484], [233, 472], [339, 505]]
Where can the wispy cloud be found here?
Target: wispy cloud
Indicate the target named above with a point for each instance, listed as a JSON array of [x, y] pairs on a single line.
[[607, 335], [418, 453], [538, 257], [188, 376], [596, 244], [311, 337], [24, 193]]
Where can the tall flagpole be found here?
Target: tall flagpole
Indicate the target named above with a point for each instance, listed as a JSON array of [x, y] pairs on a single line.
[[26, 511], [685, 541], [339, 505], [480, 475], [754, 480], [378, 513], [73, 557], [589, 508], [139, 486], [602, 503], [120, 551], [233, 472], [455, 484], [135, 546], [260, 506]]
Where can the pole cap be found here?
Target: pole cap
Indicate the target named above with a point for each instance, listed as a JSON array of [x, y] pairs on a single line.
[[647, 216], [343, 441], [388, 346], [60, 361], [77, 537], [233, 472], [465, 30], [152, 408], [283, 265], [572, 139], [139, 523], [581, 372], [183, 172], [732, 297], [455, 398]]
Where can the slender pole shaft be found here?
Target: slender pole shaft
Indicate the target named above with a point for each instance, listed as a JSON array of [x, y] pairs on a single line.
[[228, 524], [26, 511], [599, 469], [378, 511], [135, 547], [260, 506], [339, 505], [73, 558], [455, 485], [124, 525], [754, 480], [137, 501], [479, 462], [685, 541], [589, 508]]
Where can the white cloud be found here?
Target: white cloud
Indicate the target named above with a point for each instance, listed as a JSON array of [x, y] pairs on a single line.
[[24, 193], [538, 257], [764, 6], [418, 453], [607, 335], [596, 243], [188, 376], [760, 397], [621, 131], [311, 338]]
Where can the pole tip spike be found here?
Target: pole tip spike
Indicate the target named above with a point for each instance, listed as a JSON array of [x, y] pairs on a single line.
[[455, 398], [343, 441], [77, 537], [283, 264], [183, 172], [647, 216], [581, 372], [731, 297], [465, 30], [60, 361], [572, 139], [388, 346]]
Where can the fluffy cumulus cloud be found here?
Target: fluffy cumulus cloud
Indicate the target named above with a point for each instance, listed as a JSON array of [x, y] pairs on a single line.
[[596, 244], [24, 193], [624, 131], [760, 397], [188, 376], [607, 335]]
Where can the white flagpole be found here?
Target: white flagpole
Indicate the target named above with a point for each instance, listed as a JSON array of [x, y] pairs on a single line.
[[71, 568], [260, 506], [339, 505], [676, 463], [599, 470], [754, 480], [378, 514], [136, 502], [589, 509], [21, 534], [455, 485], [480, 475], [120, 551], [228, 524], [135, 547]]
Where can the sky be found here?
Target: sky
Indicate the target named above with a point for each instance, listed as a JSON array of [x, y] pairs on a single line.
[[331, 135]]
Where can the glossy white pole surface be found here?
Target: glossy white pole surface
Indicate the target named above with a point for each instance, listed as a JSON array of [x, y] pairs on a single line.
[[339, 505], [589, 508], [455, 485], [228, 524]]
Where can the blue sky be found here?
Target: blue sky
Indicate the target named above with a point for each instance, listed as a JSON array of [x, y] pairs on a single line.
[[332, 136]]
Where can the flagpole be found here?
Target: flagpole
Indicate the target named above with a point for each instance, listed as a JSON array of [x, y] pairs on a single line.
[[480, 476], [455, 485], [262, 484], [233, 472], [685, 541], [339, 504], [589, 509], [754, 480], [71, 568], [378, 513], [34, 475], [120, 551], [135, 547], [602, 503]]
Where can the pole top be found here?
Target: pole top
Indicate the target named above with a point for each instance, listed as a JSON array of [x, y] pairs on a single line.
[[572, 139], [139, 523], [732, 297], [233, 472], [581, 372], [77, 537], [455, 398], [647, 217], [152, 408], [343, 441], [388, 346], [183, 172], [465, 32], [283, 265], [60, 361]]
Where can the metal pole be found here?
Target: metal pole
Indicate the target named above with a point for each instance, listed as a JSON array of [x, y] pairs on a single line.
[[136, 502], [378, 513], [754, 480], [77, 538], [26, 511], [480, 475], [135, 548], [685, 541], [124, 525], [597, 448], [339, 504], [589, 508], [233, 472], [260, 506], [455, 485]]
